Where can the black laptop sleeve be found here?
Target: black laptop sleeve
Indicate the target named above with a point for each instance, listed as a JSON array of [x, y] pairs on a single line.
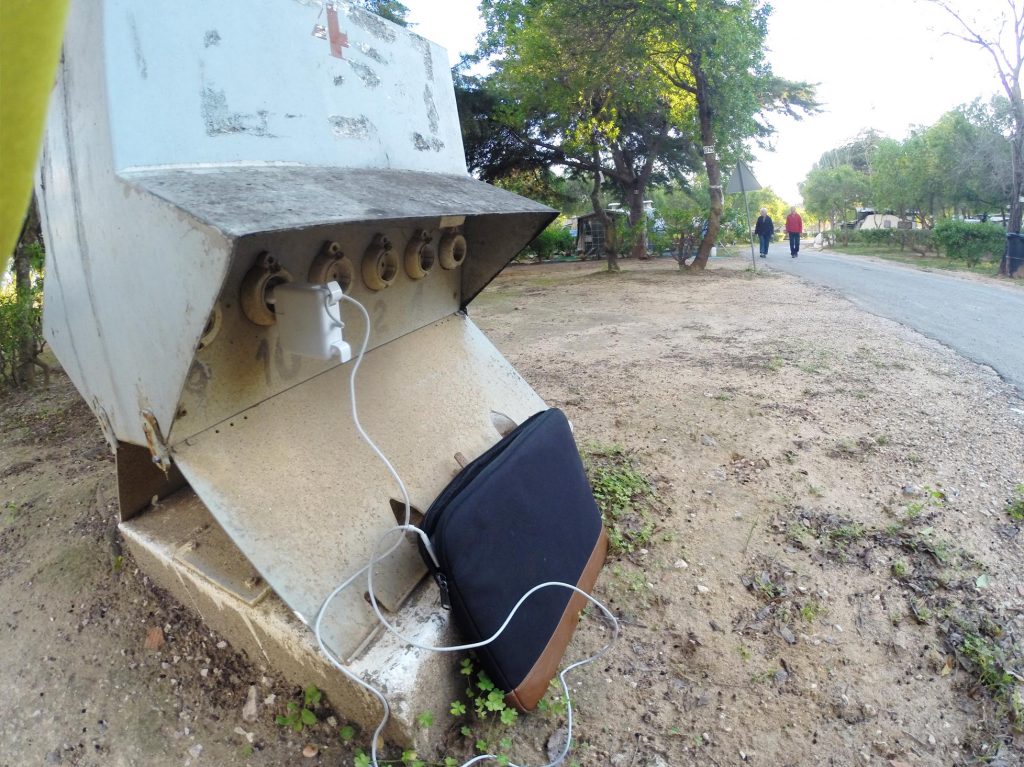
[[519, 515]]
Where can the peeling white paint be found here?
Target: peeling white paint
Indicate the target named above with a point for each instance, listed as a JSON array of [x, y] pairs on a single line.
[[198, 83], [352, 127], [372, 23], [366, 74], [424, 144], [220, 120], [371, 53], [433, 119]]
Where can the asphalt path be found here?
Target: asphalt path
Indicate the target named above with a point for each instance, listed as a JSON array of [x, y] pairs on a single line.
[[980, 320]]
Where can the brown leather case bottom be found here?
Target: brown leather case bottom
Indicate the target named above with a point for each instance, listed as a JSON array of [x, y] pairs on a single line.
[[528, 694]]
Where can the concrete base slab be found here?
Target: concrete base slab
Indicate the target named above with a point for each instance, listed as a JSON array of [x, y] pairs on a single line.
[[179, 545]]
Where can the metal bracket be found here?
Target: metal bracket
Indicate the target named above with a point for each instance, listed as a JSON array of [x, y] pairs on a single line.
[[155, 440]]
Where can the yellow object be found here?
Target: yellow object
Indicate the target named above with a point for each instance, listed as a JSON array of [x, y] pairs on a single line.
[[30, 37]]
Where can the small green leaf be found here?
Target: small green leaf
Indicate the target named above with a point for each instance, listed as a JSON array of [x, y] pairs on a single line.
[[466, 667], [485, 682], [282, 720], [502, 760], [425, 719], [451, 761], [466, 731], [347, 733], [458, 708], [505, 744], [495, 700], [361, 760], [307, 717], [481, 746], [509, 716], [313, 695]]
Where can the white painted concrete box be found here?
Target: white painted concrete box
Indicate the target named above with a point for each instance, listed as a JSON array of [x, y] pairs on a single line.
[[199, 153]]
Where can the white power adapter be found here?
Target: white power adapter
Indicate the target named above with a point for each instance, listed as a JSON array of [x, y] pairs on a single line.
[[309, 320]]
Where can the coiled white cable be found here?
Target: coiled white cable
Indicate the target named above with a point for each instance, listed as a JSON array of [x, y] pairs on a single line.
[[368, 569]]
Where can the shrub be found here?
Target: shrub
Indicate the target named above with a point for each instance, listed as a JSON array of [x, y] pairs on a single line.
[[660, 241], [21, 331], [918, 240], [554, 240], [626, 235], [970, 242], [853, 237], [880, 237]]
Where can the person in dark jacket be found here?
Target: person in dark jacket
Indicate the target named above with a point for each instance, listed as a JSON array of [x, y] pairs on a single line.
[[765, 230]]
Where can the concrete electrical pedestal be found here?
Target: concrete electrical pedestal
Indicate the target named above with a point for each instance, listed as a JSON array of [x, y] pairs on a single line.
[[199, 155]]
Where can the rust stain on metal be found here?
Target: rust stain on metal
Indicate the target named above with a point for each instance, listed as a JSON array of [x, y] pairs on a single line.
[[198, 378], [155, 441], [339, 40]]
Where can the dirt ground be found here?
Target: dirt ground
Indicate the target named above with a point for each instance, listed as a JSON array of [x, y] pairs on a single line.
[[828, 574]]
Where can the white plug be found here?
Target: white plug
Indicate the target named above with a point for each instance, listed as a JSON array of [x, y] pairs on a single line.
[[309, 320]]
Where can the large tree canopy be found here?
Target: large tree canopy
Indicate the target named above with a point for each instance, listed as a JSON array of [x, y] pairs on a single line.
[[834, 193], [574, 87], [714, 50], [392, 10], [1000, 35], [635, 90], [960, 165]]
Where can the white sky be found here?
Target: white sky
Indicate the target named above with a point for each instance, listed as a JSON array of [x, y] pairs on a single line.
[[881, 64]]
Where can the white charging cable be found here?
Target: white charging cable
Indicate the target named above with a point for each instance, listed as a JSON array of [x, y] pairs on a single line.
[[368, 569]]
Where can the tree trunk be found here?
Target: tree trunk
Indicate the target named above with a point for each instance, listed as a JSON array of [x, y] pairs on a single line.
[[634, 182], [1013, 225], [25, 369], [638, 223], [1018, 184], [707, 136], [606, 221]]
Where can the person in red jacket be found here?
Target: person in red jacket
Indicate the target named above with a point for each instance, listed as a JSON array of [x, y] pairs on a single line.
[[794, 227]]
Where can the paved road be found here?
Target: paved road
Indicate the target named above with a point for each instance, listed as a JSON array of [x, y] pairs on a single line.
[[982, 321]]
